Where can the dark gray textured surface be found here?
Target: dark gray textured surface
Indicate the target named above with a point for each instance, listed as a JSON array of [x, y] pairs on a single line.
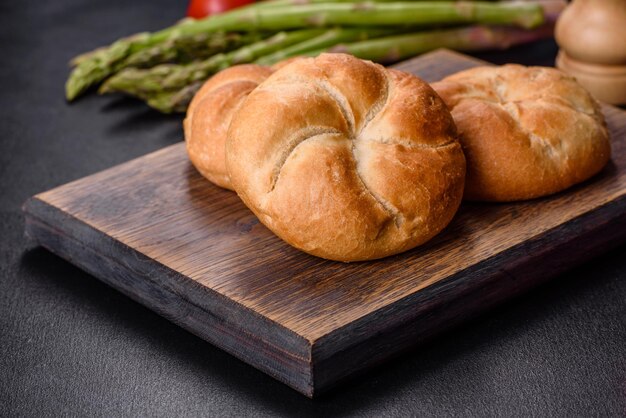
[[73, 346]]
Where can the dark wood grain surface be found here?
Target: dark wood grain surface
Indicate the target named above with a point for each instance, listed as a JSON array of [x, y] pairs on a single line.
[[159, 232]]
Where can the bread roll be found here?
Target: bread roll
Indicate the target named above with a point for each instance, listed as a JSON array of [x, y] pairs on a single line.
[[346, 160], [209, 115], [526, 131]]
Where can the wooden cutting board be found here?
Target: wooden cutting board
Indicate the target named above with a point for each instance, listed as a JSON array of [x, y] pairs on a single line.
[[157, 231]]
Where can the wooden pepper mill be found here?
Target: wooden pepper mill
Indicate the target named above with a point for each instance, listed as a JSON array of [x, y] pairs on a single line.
[[592, 38]]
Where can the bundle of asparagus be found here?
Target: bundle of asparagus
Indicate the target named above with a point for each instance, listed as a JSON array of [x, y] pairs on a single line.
[[166, 68]]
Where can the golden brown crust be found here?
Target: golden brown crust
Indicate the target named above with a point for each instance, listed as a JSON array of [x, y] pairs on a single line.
[[526, 131], [209, 115], [346, 160]]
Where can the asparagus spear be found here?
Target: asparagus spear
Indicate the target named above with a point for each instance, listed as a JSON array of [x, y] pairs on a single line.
[[189, 48], [327, 39], [106, 61], [163, 81], [91, 69], [473, 38], [527, 15]]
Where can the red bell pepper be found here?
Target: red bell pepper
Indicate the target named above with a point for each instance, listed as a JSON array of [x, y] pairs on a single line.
[[202, 8]]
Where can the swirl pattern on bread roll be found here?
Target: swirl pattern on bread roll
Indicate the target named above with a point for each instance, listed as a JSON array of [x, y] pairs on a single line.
[[526, 131], [346, 160], [209, 115]]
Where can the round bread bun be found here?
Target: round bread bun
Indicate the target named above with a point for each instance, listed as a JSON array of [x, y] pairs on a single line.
[[346, 160], [209, 115], [526, 131]]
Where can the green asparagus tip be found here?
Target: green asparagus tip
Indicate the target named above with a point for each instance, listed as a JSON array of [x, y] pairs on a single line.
[[106, 88], [73, 87]]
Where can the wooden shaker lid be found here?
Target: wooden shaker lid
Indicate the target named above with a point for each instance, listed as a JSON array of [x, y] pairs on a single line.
[[592, 38]]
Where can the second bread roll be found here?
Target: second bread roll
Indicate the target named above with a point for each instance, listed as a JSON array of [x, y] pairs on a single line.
[[346, 160], [209, 116], [526, 131]]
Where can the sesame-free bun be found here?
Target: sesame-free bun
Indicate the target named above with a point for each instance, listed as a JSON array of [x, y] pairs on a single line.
[[526, 131], [346, 160], [209, 115]]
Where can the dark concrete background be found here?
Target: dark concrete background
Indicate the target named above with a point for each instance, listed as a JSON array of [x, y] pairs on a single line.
[[70, 345]]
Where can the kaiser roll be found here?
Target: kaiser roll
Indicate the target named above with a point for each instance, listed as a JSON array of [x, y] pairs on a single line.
[[209, 115], [346, 160], [526, 131]]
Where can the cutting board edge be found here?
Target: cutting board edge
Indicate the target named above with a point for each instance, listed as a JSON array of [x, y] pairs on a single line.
[[601, 230], [220, 330]]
